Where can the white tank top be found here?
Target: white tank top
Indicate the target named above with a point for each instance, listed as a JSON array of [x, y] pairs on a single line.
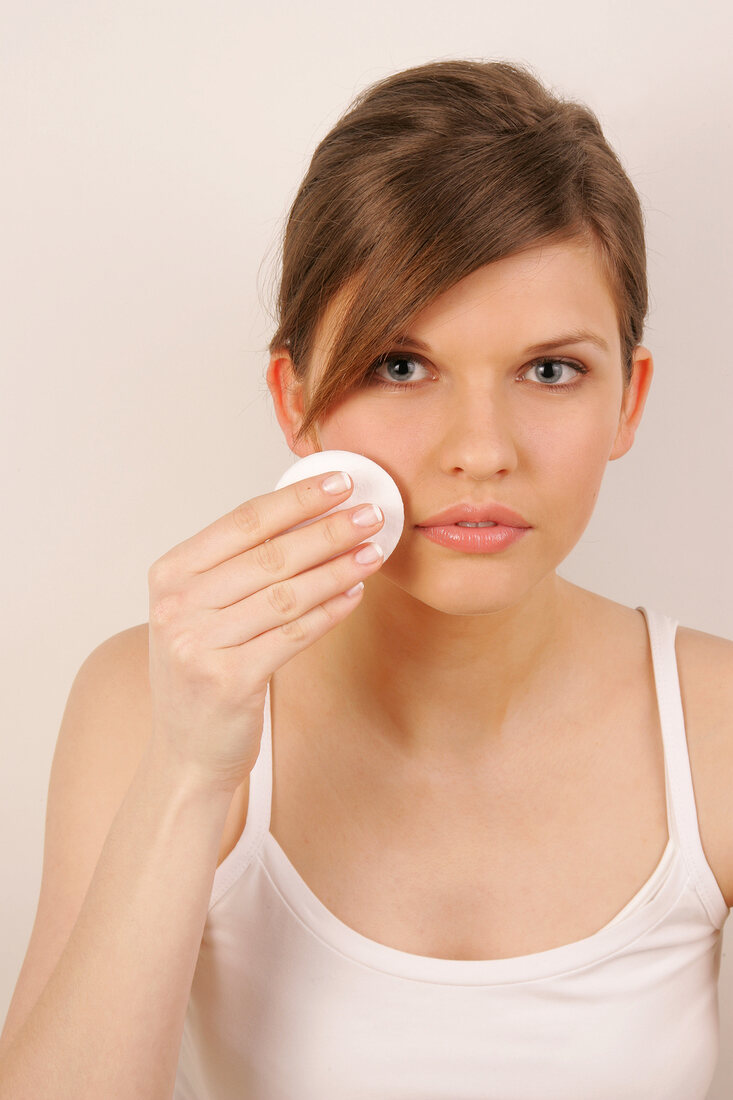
[[290, 1003]]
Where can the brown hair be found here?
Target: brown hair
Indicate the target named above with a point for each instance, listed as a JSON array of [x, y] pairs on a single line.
[[430, 174]]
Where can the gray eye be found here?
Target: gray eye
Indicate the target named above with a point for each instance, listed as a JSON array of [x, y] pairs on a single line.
[[551, 371]]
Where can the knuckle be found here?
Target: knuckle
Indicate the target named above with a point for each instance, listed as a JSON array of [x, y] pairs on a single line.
[[295, 629], [159, 573], [269, 556], [304, 495], [165, 609], [328, 612], [282, 597], [333, 530], [192, 655], [248, 520], [185, 647]]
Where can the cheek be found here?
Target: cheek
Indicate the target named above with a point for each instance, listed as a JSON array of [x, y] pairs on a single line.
[[395, 446], [347, 427], [568, 468]]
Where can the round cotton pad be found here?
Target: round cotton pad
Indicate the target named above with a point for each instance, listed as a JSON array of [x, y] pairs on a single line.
[[372, 485]]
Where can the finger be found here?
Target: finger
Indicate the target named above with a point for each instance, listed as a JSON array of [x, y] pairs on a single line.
[[251, 523]]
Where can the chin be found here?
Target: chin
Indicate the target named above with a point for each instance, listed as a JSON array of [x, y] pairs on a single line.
[[450, 598], [472, 606]]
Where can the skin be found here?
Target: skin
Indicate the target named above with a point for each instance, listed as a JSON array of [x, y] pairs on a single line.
[[496, 637]]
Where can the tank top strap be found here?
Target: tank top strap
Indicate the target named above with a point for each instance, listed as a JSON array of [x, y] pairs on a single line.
[[260, 782], [682, 819], [265, 779]]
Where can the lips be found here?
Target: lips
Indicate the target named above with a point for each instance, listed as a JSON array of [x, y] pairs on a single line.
[[475, 513]]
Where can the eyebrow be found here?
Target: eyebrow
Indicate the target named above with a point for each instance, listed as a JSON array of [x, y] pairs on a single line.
[[576, 336]]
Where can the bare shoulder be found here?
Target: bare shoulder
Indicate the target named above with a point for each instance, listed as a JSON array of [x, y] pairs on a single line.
[[705, 668], [130, 646], [125, 658], [118, 670], [107, 718], [705, 665]]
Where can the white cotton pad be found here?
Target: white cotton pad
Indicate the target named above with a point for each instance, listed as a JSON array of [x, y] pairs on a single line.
[[372, 485]]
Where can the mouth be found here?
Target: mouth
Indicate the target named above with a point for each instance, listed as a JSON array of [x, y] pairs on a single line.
[[486, 523], [477, 515], [481, 538]]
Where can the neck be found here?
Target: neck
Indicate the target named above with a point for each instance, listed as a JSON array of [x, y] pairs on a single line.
[[445, 687]]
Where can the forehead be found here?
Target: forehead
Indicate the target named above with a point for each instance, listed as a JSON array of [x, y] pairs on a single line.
[[524, 298], [553, 286]]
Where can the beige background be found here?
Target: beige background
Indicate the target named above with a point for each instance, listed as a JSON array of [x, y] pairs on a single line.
[[150, 152]]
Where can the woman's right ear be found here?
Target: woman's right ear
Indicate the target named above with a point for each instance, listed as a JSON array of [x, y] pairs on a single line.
[[287, 395]]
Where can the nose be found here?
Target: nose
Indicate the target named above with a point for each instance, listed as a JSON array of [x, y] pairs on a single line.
[[479, 437]]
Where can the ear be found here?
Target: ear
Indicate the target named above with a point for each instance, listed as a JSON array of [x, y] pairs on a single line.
[[287, 396], [633, 402]]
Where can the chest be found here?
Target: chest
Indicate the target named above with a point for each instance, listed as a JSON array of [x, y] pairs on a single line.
[[519, 856], [514, 860]]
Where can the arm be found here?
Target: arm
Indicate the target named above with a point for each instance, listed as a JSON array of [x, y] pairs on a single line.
[[109, 1016]]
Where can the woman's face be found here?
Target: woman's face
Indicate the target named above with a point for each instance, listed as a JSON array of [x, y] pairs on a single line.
[[479, 416]]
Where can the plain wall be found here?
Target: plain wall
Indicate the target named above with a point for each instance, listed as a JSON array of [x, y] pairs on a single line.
[[150, 154]]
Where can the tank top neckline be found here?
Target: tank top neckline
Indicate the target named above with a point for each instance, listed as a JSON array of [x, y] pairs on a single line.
[[682, 862]]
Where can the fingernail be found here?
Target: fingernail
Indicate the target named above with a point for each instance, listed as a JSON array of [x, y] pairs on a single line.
[[367, 516], [372, 551], [336, 483]]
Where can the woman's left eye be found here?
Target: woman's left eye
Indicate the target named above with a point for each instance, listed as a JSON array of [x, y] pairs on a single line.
[[577, 368], [407, 380]]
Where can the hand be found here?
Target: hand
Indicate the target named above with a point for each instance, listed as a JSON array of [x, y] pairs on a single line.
[[233, 603]]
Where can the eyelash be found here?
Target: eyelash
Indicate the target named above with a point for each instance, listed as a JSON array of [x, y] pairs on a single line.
[[563, 387]]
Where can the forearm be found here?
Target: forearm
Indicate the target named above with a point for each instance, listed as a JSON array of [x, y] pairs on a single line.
[[110, 1019]]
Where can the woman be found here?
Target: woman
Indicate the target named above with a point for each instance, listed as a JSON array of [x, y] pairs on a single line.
[[459, 851]]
